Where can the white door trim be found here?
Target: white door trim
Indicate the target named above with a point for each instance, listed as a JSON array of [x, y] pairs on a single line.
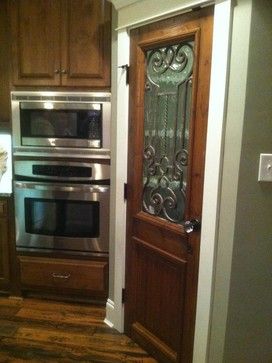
[[212, 178], [136, 13]]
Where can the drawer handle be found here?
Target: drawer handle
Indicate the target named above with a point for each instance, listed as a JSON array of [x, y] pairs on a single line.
[[62, 277]]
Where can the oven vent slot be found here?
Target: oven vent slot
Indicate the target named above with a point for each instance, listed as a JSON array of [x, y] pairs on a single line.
[[61, 98]]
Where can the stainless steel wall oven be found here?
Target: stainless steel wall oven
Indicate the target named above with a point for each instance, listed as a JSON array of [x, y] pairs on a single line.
[[62, 206]]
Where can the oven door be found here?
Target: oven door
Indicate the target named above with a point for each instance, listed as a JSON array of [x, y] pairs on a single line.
[[72, 218]]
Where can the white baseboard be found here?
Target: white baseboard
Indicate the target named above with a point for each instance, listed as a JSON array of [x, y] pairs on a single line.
[[109, 319]]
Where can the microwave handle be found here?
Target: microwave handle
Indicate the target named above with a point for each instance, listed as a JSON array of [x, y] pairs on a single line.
[[62, 188]]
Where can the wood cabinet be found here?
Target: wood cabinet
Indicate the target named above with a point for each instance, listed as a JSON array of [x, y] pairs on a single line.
[[61, 43], [87, 278], [4, 246], [4, 67]]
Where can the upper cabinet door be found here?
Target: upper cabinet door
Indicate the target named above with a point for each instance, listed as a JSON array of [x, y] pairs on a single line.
[[61, 43], [86, 43], [35, 28]]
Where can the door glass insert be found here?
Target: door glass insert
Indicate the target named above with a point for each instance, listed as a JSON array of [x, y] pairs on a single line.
[[167, 112]]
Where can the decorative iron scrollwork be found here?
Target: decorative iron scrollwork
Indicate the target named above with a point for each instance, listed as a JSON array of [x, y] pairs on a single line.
[[167, 114], [175, 58], [163, 194]]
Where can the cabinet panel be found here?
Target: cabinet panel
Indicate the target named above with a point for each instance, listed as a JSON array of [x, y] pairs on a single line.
[[86, 41], [4, 248], [64, 275], [35, 27], [61, 42]]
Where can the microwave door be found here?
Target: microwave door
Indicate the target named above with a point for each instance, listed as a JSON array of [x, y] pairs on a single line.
[[52, 124]]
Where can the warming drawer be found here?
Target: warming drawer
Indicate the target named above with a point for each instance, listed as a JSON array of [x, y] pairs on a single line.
[[64, 276]]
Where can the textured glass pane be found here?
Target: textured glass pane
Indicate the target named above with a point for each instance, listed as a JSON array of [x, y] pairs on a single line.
[[168, 90]]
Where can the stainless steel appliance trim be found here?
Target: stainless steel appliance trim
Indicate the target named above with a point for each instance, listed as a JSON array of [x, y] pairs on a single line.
[[60, 142], [61, 188], [51, 105], [68, 153], [23, 168], [61, 96], [59, 152]]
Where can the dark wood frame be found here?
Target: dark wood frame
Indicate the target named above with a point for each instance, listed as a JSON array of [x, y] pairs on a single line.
[[199, 26]]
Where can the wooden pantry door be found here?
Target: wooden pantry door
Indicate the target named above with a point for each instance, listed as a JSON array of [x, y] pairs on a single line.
[[169, 92]]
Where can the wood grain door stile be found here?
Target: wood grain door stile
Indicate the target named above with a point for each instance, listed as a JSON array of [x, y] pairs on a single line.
[[162, 259]]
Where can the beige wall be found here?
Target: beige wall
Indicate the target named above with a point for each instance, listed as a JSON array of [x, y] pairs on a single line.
[[248, 333], [230, 175], [249, 328]]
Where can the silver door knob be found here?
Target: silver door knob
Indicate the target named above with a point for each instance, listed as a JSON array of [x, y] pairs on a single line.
[[192, 225]]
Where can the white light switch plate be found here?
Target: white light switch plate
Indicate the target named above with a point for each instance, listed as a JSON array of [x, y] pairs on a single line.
[[265, 168]]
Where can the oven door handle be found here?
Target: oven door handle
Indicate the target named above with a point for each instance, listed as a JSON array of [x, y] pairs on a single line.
[[62, 188]]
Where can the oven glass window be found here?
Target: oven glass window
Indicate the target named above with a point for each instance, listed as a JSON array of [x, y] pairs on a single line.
[[71, 124], [58, 217]]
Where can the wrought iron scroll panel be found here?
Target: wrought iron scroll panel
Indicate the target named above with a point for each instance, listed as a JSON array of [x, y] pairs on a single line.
[[167, 108]]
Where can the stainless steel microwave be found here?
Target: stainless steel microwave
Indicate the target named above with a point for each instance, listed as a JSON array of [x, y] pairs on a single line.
[[64, 120]]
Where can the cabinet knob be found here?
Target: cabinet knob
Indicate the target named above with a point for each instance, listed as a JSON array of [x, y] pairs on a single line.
[[57, 71], [63, 71]]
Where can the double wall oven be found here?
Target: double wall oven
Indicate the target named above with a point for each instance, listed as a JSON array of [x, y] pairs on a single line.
[[61, 172]]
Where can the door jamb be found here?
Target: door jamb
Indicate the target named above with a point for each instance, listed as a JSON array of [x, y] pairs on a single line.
[[212, 176]]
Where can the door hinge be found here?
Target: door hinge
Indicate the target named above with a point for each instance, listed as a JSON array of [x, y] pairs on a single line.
[[125, 191], [126, 67], [123, 295]]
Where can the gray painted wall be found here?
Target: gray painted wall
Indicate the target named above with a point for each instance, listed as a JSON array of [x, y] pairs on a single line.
[[232, 145], [248, 336]]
